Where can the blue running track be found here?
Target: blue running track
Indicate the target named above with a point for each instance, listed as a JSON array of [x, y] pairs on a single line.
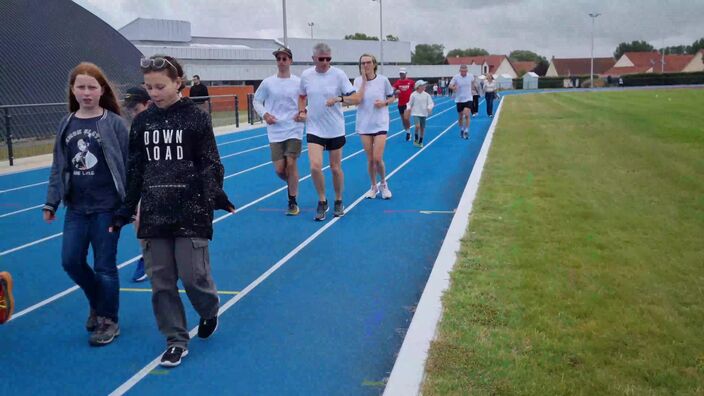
[[307, 307]]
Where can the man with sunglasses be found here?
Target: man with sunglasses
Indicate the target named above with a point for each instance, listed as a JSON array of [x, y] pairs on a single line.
[[276, 100], [325, 88]]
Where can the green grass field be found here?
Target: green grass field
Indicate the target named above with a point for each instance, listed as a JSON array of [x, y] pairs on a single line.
[[582, 271]]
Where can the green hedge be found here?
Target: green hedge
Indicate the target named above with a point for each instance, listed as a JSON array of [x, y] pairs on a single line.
[[634, 80]]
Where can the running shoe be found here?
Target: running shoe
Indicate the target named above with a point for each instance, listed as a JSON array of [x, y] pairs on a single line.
[[139, 274], [206, 327], [408, 136], [385, 192], [416, 144], [373, 191], [173, 355], [105, 333], [293, 209], [7, 302], [321, 210], [339, 209]]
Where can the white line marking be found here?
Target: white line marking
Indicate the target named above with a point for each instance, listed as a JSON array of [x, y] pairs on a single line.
[[22, 187], [241, 140], [20, 211], [130, 383], [30, 244], [409, 369], [437, 211]]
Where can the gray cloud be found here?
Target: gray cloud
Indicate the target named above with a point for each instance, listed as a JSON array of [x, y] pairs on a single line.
[[552, 28]]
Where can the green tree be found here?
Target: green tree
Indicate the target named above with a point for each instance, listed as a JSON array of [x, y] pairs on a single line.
[[428, 54], [391, 37], [525, 56], [696, 46], [677, 49], [633, 46], [360, 36], [467, 52]]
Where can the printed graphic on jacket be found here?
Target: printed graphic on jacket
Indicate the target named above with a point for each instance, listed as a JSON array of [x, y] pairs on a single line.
[[92, 186], [164, 144]]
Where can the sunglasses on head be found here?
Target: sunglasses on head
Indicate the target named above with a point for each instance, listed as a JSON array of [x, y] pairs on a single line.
[[157, 63], [324, 59]]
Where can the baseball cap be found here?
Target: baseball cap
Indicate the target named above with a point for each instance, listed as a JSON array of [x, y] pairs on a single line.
[[283, 50], [135, 95], [402, 70], [420, 82]]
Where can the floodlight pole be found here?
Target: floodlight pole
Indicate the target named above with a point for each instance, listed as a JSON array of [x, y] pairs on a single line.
[[593, 15], [311, 29], [285, 30], [381, 38]]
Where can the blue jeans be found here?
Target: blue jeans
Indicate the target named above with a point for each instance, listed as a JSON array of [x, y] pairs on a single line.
[[101, 283]]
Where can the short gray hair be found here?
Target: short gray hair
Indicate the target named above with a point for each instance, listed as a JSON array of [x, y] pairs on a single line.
[[321, 48]]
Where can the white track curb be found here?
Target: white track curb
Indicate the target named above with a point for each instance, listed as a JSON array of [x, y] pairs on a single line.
[[409, 370]]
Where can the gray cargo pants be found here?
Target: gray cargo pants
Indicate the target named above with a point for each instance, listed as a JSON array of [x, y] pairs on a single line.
[[166, 260]]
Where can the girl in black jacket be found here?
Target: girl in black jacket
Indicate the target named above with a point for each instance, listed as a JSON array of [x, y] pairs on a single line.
[[174, 167]]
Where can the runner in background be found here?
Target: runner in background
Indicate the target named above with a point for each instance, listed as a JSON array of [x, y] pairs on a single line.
[[373, 121], [403, 88], [276, 101]]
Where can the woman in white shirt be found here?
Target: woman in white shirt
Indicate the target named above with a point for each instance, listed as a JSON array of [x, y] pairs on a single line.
[[490, 92], [373, 121], [420, 106]]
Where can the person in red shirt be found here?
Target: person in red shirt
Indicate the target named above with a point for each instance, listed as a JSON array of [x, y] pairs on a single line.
[[403, 88]]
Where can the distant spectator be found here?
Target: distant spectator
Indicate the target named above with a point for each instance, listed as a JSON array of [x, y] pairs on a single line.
[[198, 90], [435, 89]]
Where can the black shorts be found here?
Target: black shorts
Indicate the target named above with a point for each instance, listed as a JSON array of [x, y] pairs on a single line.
[[402, 109], [373, 134], [328, 144], [464, 105]]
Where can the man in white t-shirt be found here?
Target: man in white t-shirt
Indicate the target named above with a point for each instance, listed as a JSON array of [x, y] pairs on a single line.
[[276, 100], [325, 88], [461, 84]]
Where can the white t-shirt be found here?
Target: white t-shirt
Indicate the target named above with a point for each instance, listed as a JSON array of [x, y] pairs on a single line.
[[371, 119], [463, 87], [420, 104], [325, 121], [279, 97]]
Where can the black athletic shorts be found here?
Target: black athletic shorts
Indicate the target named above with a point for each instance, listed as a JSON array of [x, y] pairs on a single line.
[[328, 144], [464, 105], [402, 109]]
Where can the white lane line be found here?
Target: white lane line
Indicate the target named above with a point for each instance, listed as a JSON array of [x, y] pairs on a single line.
[[20, 211], [133, 259], [130, 383], [26, 245], [22, 187], [409, 369], [63, 293], [241, 140]]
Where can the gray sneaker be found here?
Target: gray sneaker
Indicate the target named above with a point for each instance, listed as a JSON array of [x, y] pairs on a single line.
[[321, 210], [92, 322], [105, 333], [339, 209]]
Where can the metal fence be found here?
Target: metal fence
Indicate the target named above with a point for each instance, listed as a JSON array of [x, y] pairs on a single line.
[[29, 129]]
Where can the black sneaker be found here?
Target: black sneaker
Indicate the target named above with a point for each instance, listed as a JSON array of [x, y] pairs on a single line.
[[172, 356], [321, 210], [92, 321], [206, 327], [339, 209], [408, 136]]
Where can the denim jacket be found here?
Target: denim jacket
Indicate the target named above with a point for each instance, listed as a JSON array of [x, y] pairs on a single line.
[[114, 138]]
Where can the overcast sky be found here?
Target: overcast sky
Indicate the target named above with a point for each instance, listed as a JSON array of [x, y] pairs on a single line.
[[560, 28]]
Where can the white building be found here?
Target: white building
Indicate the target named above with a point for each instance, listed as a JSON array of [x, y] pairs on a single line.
[[235, 61]]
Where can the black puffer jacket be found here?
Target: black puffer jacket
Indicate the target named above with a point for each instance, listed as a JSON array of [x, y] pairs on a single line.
[[174, 167]]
